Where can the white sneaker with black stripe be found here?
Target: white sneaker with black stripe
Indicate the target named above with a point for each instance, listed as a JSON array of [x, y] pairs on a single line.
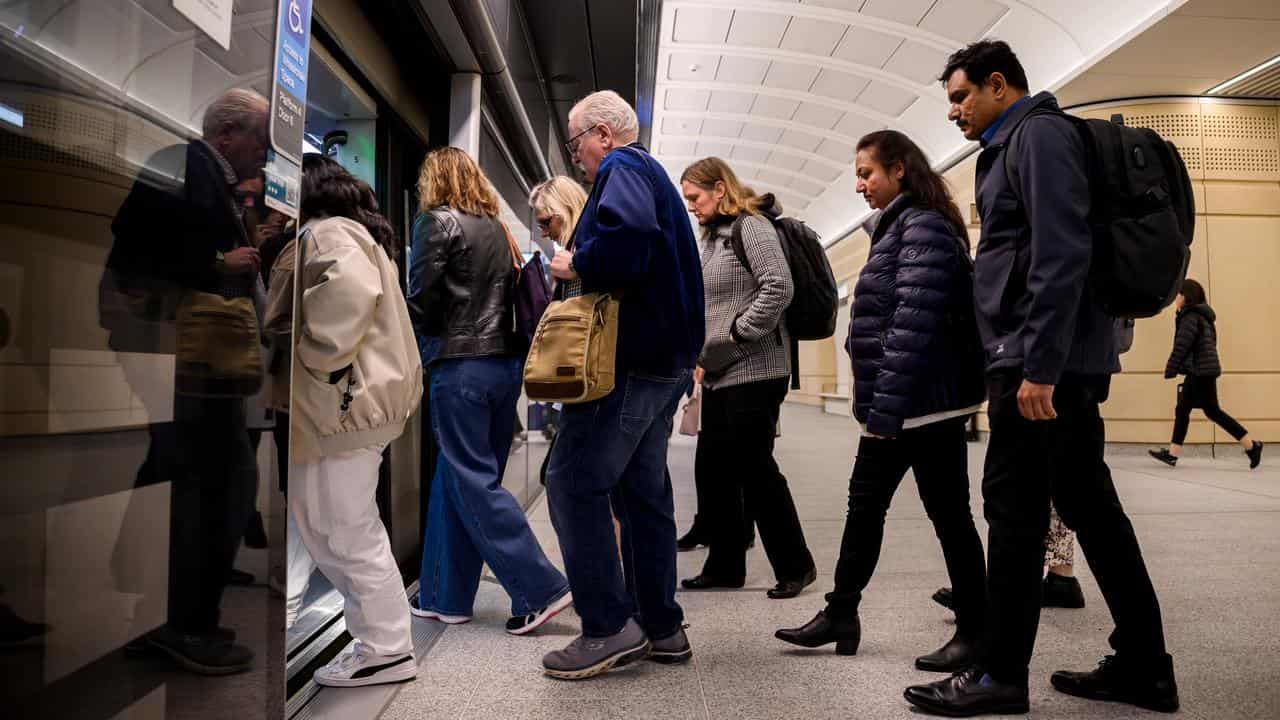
[[525, 624], [358, 667]]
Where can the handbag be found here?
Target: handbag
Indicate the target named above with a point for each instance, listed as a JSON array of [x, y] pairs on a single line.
[[691, 421], [218, 350], [572, 358], [532, 296]]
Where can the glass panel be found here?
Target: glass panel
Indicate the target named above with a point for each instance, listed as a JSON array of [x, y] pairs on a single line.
[[137, 467]]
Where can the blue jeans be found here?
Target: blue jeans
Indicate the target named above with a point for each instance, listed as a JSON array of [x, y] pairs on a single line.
[[613, 453], [471, 519]]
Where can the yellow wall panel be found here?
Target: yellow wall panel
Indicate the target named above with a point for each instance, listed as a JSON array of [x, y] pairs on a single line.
[[1244, 264], [1240, 198]]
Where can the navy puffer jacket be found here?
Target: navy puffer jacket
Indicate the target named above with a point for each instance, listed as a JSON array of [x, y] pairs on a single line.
[[913, 338]]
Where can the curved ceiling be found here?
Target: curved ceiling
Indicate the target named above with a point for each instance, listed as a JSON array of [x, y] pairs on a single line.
[[783, 89]]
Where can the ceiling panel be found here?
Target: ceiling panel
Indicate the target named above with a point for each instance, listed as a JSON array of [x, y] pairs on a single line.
[[680, 99], [816, 37], [850, 5], [823, 116], [964, 20], [907, 12], [677, 147], [855, 125], [775, 107], [806, 186], [887, 99], [785, 161], [742, 71], [841, 152], [757, 29], [839, 85], [800, 140], [775, 178], [750, 154], [724, 101], [722, 128], [867, 47], [712, 148], [692, 66], [821, 171], [681, 126], [701, 25], [917, 62], [761, 133], [790, 76]]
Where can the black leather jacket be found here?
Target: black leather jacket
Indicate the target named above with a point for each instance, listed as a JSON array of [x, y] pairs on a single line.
[[461, 284]]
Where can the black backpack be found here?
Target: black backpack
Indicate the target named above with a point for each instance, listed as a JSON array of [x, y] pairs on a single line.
[[1142, 215], [812, 312]]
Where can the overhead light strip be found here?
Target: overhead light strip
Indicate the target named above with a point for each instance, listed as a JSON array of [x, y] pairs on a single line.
[[1223, 87]]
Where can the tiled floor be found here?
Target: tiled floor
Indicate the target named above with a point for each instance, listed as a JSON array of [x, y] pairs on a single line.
[[1210, 531]]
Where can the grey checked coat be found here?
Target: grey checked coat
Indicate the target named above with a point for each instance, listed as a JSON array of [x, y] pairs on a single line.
[[744, 308]]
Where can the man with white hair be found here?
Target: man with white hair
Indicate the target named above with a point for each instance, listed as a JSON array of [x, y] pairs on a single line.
[[634, 240], [180, 232]]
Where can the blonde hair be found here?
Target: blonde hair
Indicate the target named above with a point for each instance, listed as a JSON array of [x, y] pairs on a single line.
[[607, 108], [450, 177], [738, 198], [237, 107], [560, 196]]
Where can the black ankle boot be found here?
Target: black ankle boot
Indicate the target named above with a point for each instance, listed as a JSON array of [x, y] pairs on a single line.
[[1061, 592], [1149, 685], [846, 633], [959, 653]]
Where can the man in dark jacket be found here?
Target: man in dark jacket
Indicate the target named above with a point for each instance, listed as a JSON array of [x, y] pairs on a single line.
[[634, 238], [1050, 355]]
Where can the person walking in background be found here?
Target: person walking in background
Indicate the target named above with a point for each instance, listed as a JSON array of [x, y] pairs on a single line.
[[634, 239], [1195, 355], [747, 368], [1051, 352], [357, 380], [461, 288], [917, 367]]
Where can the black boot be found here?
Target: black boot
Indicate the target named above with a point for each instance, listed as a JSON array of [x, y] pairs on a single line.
[[1061, 592], [959, 653], [846, 633], [1149, 685], [1255, 454], [968, 693]]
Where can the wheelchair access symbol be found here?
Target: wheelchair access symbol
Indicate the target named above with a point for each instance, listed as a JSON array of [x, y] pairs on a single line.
[[295, 17]]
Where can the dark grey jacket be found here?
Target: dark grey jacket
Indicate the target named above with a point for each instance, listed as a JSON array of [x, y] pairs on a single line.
[[461, 286], [1195, 344], [1034, 307]]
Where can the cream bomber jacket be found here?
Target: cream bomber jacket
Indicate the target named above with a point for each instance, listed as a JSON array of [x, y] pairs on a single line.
[[357, 374]]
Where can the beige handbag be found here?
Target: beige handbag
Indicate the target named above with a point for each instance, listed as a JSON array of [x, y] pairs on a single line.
[[218, 349], [574, 350], [691, 421]]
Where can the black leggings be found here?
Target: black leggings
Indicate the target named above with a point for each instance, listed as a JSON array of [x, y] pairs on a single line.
[[1201, 392]]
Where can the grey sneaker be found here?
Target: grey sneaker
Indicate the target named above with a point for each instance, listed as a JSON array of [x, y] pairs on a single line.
[[672, 649], [587, 657]]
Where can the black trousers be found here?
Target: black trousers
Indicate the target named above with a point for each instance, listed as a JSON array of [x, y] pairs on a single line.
[[1201, 392], [210, 502], [735, 460], [938, 455], [1027, 464]]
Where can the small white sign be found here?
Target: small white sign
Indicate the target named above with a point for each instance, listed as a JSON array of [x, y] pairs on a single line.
[[211, 16]]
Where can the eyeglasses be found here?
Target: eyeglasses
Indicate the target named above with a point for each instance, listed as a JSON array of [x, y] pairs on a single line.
[[573, 143], [545, 223]]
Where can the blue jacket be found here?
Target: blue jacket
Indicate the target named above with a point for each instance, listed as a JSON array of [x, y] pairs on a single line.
[[634, 236], [912, 336], [1035, 310]]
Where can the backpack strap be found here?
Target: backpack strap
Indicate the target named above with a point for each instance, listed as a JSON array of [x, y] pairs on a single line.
[[1011, 156], [735, 242]]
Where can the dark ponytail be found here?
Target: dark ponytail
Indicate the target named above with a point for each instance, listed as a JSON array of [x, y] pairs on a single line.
[[328, 189], [928, 190]]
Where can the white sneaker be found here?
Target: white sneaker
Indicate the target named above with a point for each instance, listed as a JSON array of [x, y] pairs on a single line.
[[523, 625], [359, 667], [433, 615]]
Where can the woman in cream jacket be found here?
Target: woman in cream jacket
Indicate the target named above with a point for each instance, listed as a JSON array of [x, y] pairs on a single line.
[[357, 378]]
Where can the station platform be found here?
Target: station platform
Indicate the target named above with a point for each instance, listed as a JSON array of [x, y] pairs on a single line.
[[1210, 531]]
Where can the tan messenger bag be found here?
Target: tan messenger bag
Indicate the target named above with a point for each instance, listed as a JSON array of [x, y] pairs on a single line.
[[574, 350]]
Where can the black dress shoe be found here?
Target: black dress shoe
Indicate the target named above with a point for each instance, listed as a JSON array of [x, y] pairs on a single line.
[[690, 540], [1255, 454], [1164, 456], [239, 577], [968, 693], [1061, 592], [707, 582], [791, 588], [958, 654], [944, 598], [1151, 686], [823, 630]]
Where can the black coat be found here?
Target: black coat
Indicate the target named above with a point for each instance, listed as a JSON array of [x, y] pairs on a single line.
[[912, 339], [1035, 310], [1195, 344], [461, 285]]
